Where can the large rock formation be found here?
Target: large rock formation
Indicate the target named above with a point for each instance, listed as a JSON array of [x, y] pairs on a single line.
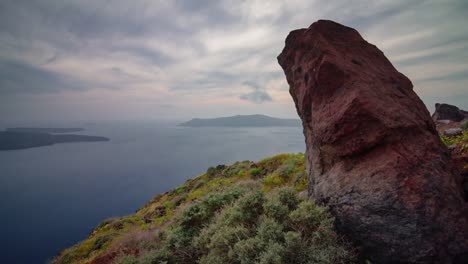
[[373, 153]]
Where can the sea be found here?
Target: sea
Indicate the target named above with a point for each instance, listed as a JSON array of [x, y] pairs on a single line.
[[51, 197]]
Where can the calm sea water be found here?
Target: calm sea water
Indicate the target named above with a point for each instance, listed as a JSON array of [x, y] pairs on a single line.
[[51, 197]]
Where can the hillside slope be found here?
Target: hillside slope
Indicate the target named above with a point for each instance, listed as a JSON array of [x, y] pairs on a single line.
[[242, 213]]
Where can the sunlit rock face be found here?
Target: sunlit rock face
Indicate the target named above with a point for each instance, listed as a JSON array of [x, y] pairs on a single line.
[[373, 153]]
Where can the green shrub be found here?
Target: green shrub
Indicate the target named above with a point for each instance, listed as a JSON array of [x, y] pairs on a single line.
[[232, 172], [101, 241], [447, 140], [247, 226], [274, 209], [273, 254], [181, 189], [193, 219], [128, 260], [104, 223], [300, 181], [287, 169], [464, 125], [211, 172], [199, 184], [251, 206], [460, 140], [151, 257], [217, 242], [255, 172], [246, 250], [288, 197], [269, 229]]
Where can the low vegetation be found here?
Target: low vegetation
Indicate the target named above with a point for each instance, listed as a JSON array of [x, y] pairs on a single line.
[[464, 125], [461, 141], [241, 213], [247, 212]]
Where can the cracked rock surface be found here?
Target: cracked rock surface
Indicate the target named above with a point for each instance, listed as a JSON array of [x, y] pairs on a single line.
[[373, 153]]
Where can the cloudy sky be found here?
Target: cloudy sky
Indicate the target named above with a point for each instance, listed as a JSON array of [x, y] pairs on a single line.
[[125, 60]]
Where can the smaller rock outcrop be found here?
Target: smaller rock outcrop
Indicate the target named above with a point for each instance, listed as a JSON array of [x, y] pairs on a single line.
[[448, 112], [449, 119]]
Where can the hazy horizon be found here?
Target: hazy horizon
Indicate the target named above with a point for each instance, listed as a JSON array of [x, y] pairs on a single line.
[[61, 123], [177, 60]]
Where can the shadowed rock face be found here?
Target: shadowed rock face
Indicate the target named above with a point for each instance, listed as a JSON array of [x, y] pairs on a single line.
[[448, 112], [373, 153]]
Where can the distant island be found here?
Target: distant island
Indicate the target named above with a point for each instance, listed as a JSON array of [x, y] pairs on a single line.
[[23, 138], [44, 130], [243, 121]]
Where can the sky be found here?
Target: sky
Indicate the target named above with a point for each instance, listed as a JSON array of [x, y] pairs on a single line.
[[149, 59]]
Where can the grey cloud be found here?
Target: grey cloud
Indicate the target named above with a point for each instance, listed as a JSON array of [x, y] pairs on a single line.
[[258, 95], [366, 21], [453, 76], [208, 80], [165, 38], [18, 77], [152, 56], [458, 100], [122, 75], [84, 19], [95, 28], [212, 12]]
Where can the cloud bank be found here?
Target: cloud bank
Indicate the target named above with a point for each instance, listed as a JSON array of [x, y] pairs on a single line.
[[125, 59]]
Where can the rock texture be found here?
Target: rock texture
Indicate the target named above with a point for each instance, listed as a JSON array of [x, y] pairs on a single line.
[[373, 153], [451, 132], [448, 112], [460, 159], [449, 119]]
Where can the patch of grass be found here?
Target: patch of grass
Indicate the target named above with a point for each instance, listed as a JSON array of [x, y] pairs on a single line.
[[255, 172], [284, 172], [211, 172], [287, 169], [181, 189], [236, 169], [84, 249], [214, 184], [105, 223], [273, 180], [269, 165], [447, 140], [101, 241], [129, 260], [460, 140], [300, 181]]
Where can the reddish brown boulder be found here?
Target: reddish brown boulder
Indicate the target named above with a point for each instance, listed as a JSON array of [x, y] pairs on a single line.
[[460, 159], [373, 153]]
